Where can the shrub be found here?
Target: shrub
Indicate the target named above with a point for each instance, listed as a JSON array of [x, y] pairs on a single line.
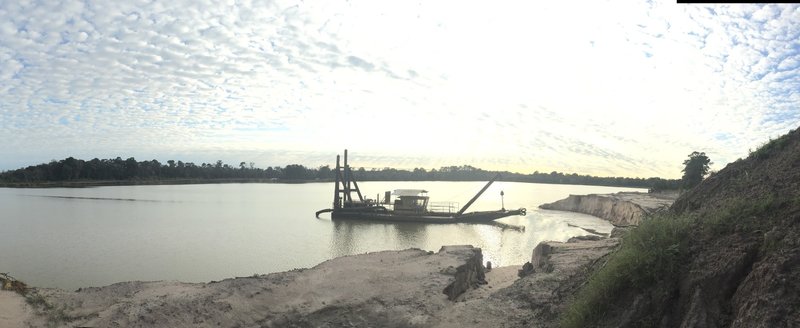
[[770, 148], [650, 253], [653, 254]]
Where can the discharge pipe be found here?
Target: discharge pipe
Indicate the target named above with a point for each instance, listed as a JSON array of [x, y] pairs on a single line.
[[478, 195]]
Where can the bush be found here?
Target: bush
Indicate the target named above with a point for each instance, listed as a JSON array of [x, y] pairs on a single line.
[[741, 214], [652, 255], [770, 148], [652, 252]]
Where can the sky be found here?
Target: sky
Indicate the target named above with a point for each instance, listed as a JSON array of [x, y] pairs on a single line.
[[607, 88]]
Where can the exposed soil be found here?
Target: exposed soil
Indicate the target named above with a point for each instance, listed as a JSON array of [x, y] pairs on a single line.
[[13, 309], [621, 209], [743, 264]]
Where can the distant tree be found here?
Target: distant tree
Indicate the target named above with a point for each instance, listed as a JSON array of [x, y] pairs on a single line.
[[272, 172], [696, 168], [70, 168], [119, 169], [324, 172], [131, 167], [294, 172]]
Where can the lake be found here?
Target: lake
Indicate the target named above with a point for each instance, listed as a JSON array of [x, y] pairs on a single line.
[[79, 237]]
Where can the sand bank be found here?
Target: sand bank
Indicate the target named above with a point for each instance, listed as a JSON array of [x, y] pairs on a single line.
[[621, 209], [388, 289]]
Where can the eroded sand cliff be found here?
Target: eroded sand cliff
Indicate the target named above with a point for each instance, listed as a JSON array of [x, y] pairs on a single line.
[[621, 209]]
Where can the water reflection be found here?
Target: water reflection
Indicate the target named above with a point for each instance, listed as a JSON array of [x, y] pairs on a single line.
[[500, 241], [506, 226], [410, 233], [353, 236]]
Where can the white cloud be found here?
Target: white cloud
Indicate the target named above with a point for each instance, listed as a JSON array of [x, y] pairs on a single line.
[[608, 88]]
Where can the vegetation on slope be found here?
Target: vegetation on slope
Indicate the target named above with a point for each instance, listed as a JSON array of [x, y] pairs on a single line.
[[649, 254], [653, 257], [713, 258]]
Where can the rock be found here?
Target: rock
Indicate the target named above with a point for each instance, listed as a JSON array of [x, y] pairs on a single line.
[[547, 294], [583, 238], [488, 266], [450, 271], [467, 275], [527, 269], [541, 256]]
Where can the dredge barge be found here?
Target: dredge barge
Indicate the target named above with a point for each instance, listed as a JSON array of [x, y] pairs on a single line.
[[409, 205]]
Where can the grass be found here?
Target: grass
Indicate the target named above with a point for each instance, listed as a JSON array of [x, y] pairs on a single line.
[[771, 147], [650, 253], [743, 215], [36, 300], [653, 255], [55, 315]]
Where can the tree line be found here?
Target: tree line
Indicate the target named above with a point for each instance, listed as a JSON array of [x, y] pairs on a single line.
[[469, 173], [71, 169]]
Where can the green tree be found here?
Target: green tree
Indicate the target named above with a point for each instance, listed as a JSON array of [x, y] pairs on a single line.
[[131, 168], [324, 172], [696, 168], [294, 172]]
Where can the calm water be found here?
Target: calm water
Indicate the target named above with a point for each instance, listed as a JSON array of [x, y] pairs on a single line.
[[70, 238]]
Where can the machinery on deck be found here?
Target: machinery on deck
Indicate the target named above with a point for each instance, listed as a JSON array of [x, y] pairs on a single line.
[[410, 205]]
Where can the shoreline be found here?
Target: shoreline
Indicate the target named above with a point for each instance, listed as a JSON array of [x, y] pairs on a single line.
[[110, 183], [190, 181], [412, 287]]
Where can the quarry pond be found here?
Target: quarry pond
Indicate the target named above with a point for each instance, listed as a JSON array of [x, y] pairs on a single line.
[[79, 237]]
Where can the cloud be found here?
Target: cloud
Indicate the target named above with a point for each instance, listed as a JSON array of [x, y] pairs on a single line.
[[614, 89]]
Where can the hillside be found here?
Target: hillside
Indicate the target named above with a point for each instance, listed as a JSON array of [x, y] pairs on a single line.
[[727, 254]]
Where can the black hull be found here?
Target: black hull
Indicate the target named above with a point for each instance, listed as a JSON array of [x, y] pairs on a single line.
[[382, 214], [348, 207]]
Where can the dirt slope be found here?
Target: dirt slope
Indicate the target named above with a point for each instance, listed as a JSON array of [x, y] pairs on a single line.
[[742, 265]]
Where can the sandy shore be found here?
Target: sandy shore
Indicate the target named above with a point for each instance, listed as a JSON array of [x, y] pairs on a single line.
[[386, 289], [14, 311], [404, 287]]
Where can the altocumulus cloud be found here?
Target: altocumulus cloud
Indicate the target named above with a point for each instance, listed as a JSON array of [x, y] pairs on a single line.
[[157, 76], [612, 89]]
